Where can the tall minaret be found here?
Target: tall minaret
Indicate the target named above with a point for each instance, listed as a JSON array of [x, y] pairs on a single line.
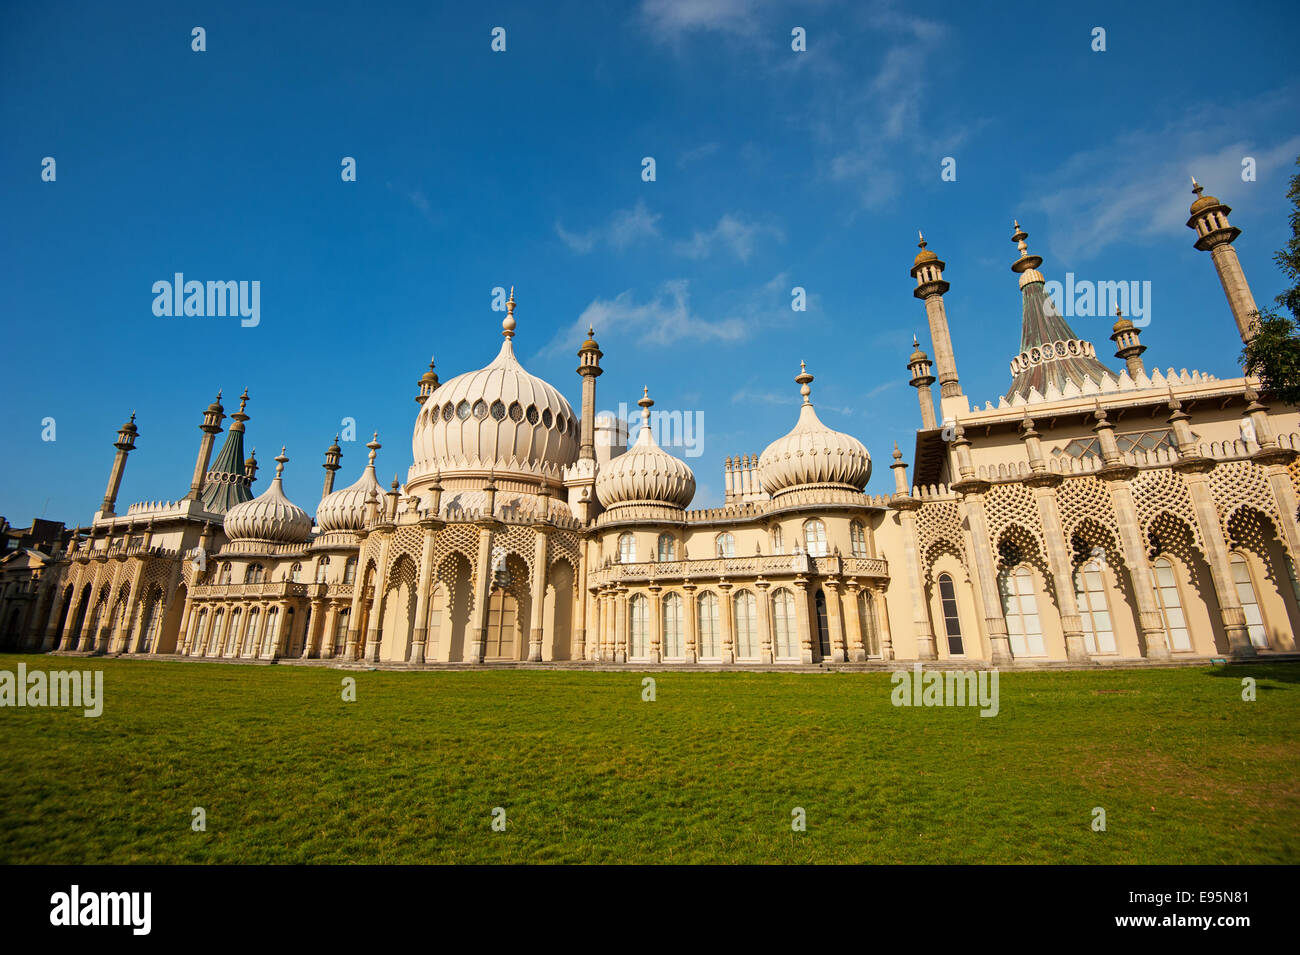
[[1215, 235], [428, 382], [211, 427], [250, 466], [332, 455], [227, 482], [919, 366], [589, 356], [125, 444], [927, 269], [1128, 345]]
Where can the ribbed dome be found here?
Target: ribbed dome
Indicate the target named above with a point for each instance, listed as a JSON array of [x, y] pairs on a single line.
[[345, 510], [499, 418], [645, 473], [813, 454], [270, 517]]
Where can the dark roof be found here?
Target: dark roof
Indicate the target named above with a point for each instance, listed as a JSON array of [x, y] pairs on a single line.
[[227, 483], [1040, 325]]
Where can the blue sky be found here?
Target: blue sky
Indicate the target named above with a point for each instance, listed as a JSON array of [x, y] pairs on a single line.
[[478, 169]]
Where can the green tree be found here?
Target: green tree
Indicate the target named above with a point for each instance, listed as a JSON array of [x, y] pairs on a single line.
[[1274, 353]]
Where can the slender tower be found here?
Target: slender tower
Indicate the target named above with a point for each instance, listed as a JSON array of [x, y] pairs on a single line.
[[922, 379], [227, 482], [125, 444], [927, 269], [589, 356], [332, 456], [428, 382], [1128, 345], [1214, 234], [211, 427]]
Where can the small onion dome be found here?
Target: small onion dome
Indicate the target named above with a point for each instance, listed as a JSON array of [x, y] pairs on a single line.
[[645, 473], [345, 510], [918, 354], [1122, 325], [271, 517], [1202, 202], [925, 255], [130, 427], [215, 407], [590, 343], [813, 454]]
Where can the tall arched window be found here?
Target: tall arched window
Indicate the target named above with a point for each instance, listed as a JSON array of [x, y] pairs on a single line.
[[858, 539], [153, 617], [218, 633], [350, 571], [230, 646], [225, 574], [674, 642], [747, 642], [814, 537], [295, 573], [1020, 606], [1090, 592], [638, 627], [254, 574], [867, 615], [951, 619], [1249, 602], [778, 540], [725, 545], [708, 627], [249, 645], [667, 547], [271, 632], [322, 568], [341, 631], [1171, 604], [783, 622], [626, 549]]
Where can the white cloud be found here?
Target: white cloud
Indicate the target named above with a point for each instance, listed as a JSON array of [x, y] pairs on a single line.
[[625, 227], [730, 233], [669, 19]]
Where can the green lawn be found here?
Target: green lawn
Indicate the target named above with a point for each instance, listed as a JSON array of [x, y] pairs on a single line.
[[709, 772]]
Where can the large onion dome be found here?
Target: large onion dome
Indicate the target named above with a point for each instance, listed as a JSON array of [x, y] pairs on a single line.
[[498, 419], [270, 517], [645, 473], [345, 509], [813, 454]]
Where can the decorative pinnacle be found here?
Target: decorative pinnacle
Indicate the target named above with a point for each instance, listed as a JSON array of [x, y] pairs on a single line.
[[243, 400], [921, 244], [1197, 187], [915, 343], [804, 379], [508, 323], [374, 445], [280, 460], [591, 331], [1018, 237], [898, 455], [396, 484], [645, 402]]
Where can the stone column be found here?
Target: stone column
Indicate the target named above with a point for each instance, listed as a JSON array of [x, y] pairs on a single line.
[[728, 622], [542, 531], [764, 620], [802, 612], [853, 622], [379, 601], [656, 622], [691, 610], [327, 631], [313, 626], [1058, 558], [127, 638], [620, 625], [835, 620], [882, 615], [1195, 473], [925, 644], [430, 527], [986, 571], [476, 650], [580, 597], [66, 640], [52, 624]]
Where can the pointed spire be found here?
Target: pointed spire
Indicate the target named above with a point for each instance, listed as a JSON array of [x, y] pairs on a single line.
[[1197, 187], [374, 445], [280, 461], [646, 403], [804, 380], [508, 323]]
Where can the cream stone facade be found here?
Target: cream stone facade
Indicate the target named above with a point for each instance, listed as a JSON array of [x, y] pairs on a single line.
[[1088, 516]]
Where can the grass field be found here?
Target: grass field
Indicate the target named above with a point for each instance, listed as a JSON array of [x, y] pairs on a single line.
[[709, 772]]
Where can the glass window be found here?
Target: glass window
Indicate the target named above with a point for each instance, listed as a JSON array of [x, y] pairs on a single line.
[[322, 569], [725, 545], [814, 535], [1249, 602], [858, 539], [1171, 605], [951, 620], [778, 540], [626, 549], [350, 571], [710, 647], [747, 643], [867, 616], [674, 642], [639, 647], [1020, 607], [1090, 592], [667, 547], [783, 621]]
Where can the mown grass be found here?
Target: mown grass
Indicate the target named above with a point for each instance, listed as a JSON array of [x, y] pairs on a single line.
[[709, 772]]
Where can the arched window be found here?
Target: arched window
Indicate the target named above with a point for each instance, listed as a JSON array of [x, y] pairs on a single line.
[[1020, 606], [638, 628], [153, 619], [255, 574], [814, 538], [322, 568], [341, 631], [1249, 602], [867, 616], [249, 645], [626, 549], [1171, 604], [350, 571], [783, 621], [951, 619], [710, 647], [502, 612], [667, 547], [230, 646], [1090, 592], [858, 539], [747, 643], [778, 540], [218, 633], [272, 634], [225, 574], [823, 624], [295, 573], [674, 642], [725, 545]]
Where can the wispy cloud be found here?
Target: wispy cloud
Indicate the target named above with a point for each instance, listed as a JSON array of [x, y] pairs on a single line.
[[732, 234], [625, 227], [1138, 184], [671, 19], [695, 155]]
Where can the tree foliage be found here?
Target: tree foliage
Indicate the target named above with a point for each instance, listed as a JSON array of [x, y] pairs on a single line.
[[1274, 353]]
